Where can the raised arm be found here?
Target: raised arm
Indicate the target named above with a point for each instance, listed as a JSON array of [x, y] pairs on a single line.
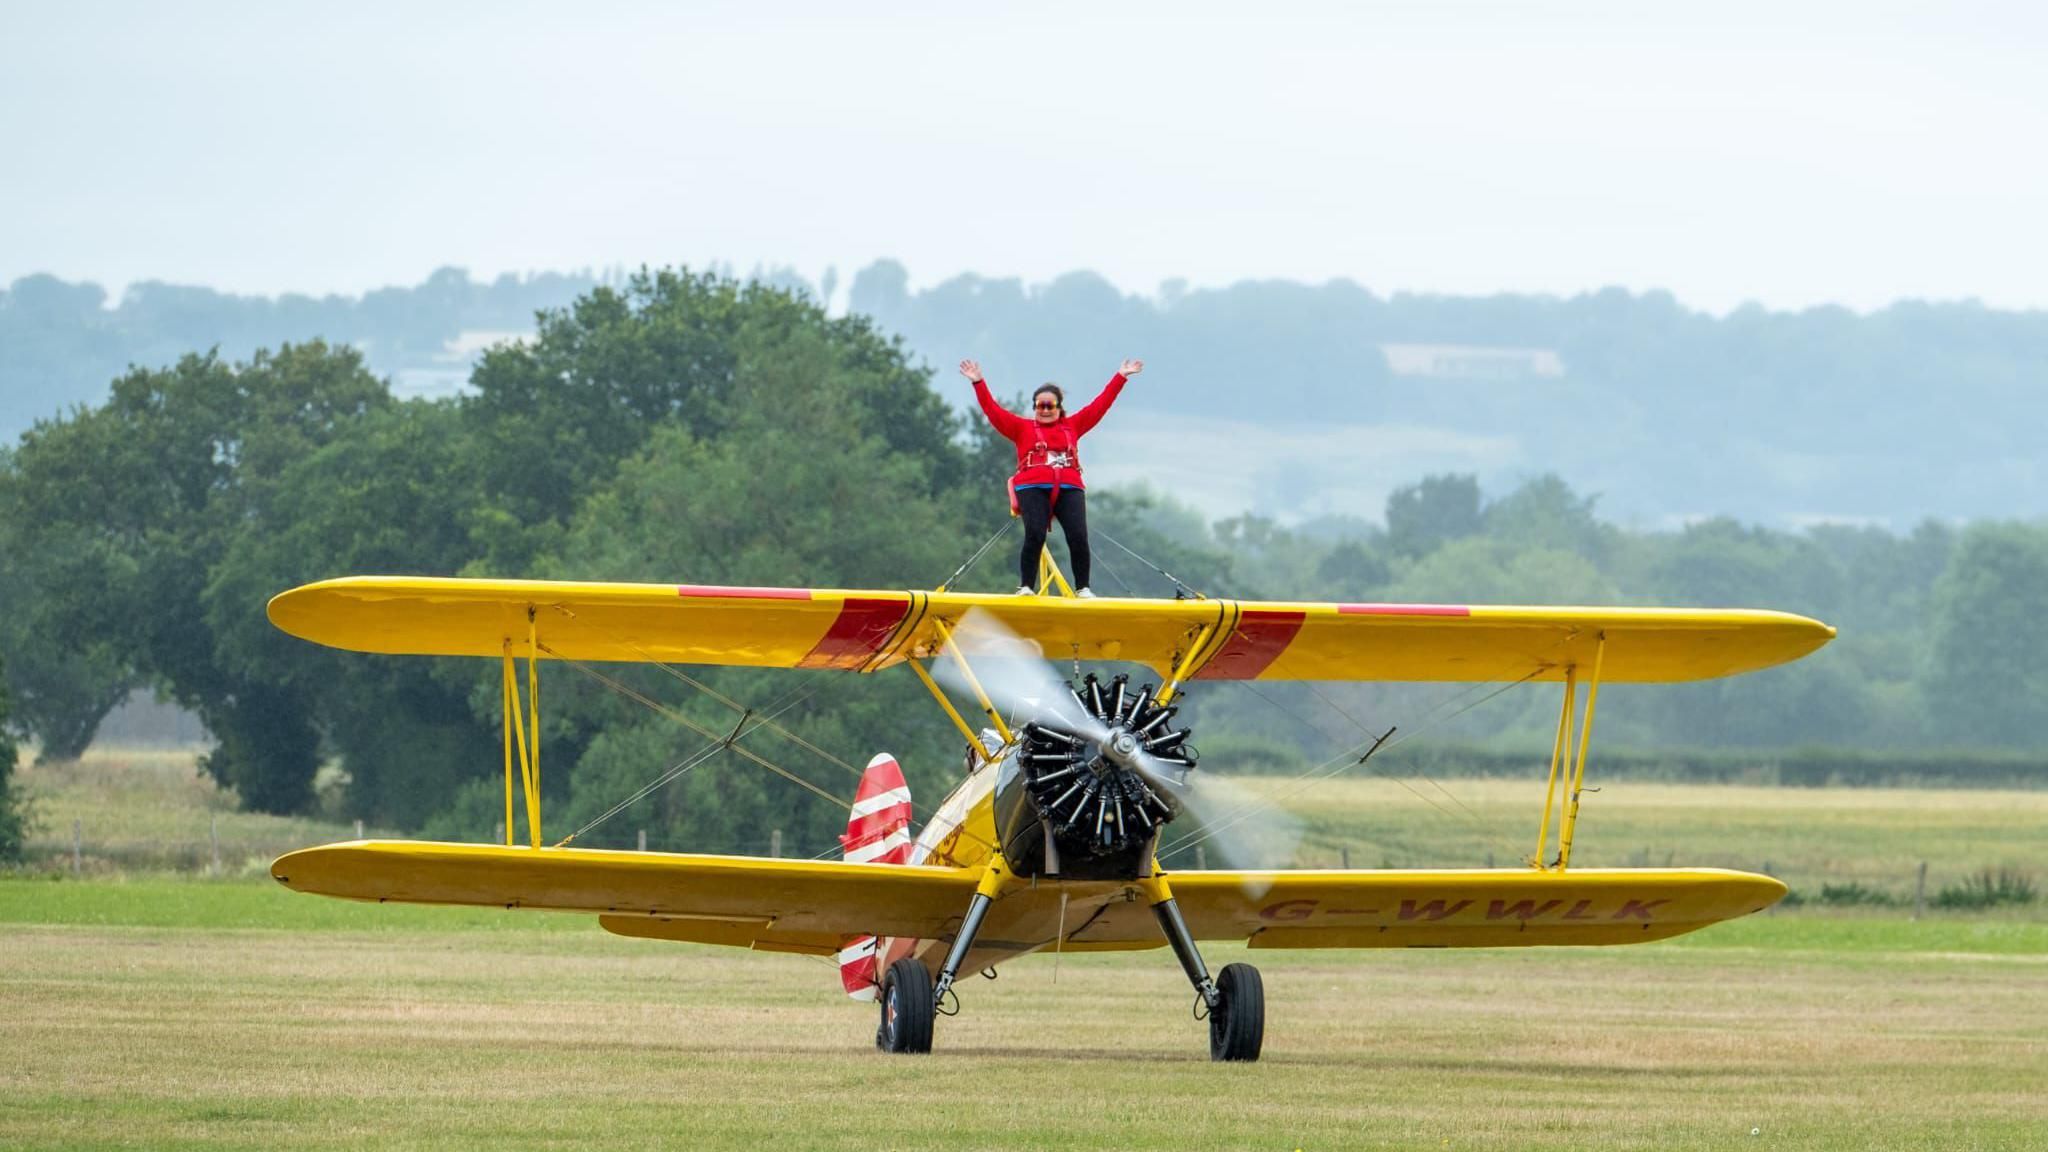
[[1006, 422], [1097, 408]]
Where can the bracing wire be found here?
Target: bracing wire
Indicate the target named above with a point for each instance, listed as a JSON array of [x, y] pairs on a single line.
[[971, 560], [770, 720], [1428, 721], [1340, 763], [725, 741], [1181, 587]]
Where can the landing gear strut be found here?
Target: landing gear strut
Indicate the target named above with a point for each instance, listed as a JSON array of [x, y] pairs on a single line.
[[1236, 1003], [910, 997]]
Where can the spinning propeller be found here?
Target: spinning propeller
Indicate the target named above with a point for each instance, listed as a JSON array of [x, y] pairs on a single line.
[[1104, 762]]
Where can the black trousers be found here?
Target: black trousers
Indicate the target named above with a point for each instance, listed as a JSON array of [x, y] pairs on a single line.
[[1038, 508]]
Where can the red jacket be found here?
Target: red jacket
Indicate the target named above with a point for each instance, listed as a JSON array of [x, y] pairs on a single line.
[[1040, 447]]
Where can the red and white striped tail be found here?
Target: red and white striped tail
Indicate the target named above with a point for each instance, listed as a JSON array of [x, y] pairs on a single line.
[[877, 832]]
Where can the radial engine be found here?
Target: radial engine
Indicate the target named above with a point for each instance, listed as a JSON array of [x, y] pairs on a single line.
[[1084, 794]]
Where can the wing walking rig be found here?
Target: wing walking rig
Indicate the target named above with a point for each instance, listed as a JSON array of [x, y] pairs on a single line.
[[1051, 842]]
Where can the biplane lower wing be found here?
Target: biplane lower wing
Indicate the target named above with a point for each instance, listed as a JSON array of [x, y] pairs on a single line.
[[1395, 908], [812, 906], [1477, 908], [1190, 639], [775, 905]]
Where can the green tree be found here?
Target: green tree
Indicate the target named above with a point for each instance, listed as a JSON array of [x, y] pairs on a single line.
[[1438, 510], [398, 495], [759, 502], [13, 817], [556, 415], [68, 668], [1988, 668], [150, 491], [1546, 513]]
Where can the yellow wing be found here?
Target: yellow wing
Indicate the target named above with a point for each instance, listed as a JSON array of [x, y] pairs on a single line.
[[1465, 908], [1407, 908], [868, 630], [774, 905]]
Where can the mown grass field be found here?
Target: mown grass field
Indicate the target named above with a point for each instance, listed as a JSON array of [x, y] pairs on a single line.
[[171, 1014], [148, 1010], [1804, 836]]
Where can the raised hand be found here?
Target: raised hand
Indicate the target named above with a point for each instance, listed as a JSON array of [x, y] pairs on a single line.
[[1131, 368], [971, 370]]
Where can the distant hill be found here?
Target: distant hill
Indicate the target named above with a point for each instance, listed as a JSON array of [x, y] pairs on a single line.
[[60, 343], [1299, 400], [1303, 400]]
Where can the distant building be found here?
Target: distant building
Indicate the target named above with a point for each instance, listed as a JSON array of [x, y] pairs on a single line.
[[1471, 362]]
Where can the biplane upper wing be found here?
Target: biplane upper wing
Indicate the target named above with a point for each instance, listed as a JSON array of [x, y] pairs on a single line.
[[774, 905], [868, 630]]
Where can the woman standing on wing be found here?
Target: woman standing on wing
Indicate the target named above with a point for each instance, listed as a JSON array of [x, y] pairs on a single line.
[[1048, 479]]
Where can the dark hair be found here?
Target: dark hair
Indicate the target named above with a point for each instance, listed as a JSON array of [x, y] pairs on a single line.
[[1057, 395]]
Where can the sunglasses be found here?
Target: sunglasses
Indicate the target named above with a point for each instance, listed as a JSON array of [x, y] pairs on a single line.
[[1047, 405]]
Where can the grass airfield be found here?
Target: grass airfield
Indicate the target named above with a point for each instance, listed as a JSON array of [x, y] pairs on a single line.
[[151, 1011]]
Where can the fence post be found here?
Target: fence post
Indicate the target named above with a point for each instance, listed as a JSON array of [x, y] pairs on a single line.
[[77, 834], [359, 829], [498, 832], [213, 835], [1201, 859], [1920, 891], [643, 840], [775, 843], [1489, 858], [1344, 856]]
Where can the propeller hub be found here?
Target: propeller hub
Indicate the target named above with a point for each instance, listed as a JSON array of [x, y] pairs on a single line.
[[1122, 747]]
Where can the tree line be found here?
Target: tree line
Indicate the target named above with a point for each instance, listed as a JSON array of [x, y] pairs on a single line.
[[1921, 409], [682, 426]]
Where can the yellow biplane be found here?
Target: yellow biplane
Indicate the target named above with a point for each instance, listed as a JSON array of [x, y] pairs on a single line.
[[1052, 841]]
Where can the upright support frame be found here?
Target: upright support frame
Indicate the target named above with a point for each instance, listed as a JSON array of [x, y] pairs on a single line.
[[1558, 748], [1574, 765], [522, 732], [1049, 574], [1571, 811]]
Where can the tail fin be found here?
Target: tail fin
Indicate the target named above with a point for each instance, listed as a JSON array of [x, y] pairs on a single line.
[[877, 832]]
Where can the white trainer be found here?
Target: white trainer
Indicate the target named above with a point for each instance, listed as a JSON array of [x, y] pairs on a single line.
[[1026, 590], [1084, 593]]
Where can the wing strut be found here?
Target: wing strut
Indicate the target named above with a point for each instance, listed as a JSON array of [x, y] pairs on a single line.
[[987, 706], [1561, 755], [517, 727], [1557, 750], [960, 722]]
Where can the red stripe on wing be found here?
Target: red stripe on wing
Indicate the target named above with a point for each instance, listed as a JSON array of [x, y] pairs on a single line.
[[863, 625], [1258, 639]]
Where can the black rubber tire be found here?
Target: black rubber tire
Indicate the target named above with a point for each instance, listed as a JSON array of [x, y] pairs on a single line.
[[1237, 1027], [907, 1008]]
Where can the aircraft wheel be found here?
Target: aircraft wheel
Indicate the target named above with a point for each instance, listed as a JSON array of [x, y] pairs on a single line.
[[1237, 1027], [907, 1008]]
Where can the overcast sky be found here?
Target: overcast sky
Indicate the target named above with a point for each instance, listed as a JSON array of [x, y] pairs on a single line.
[[1848, 153]]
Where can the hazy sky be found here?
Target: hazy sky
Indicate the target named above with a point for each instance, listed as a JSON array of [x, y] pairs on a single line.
[[1853, 153]]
